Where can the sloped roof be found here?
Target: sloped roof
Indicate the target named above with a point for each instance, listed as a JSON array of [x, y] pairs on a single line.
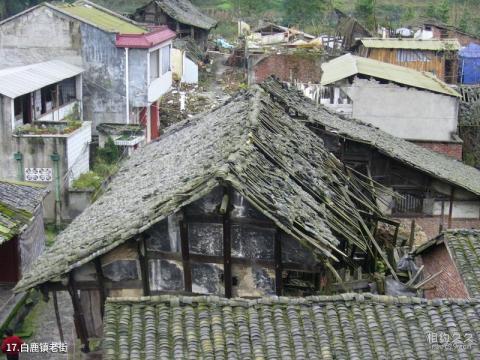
[[348, 65], [22, 80], [412, 44], [277, 164], [100, 17], [347, 326], [429, 162], [186, 13], [18, 201], [145, 41], [464, 246]]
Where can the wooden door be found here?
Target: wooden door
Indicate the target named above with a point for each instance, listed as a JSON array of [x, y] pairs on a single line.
[[9, 262]]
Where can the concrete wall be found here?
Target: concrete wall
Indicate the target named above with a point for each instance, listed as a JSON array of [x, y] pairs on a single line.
[[404, 112], [138, 77], [78, 152], [39, 35]]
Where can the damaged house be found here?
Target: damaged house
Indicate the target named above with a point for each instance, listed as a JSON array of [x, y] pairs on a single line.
[[406, 103], [180, 16], [127, 65], [438, 56], [454, 258], [437, 191], [242, 201]]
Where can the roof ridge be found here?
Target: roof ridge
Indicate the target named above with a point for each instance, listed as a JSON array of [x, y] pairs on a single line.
[[176, 300]]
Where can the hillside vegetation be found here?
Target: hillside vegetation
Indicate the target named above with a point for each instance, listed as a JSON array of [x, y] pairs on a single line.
[[312, 15]]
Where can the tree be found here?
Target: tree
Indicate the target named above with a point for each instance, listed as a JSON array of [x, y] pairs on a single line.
[[440, 12], [365, 11], [304, 12]]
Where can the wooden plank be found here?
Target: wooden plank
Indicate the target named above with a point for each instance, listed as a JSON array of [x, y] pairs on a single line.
[[142, 252], [79, 318], [450, 209], [101, 284], [57, 316], [277, 250], [411, 239], [187, 271]]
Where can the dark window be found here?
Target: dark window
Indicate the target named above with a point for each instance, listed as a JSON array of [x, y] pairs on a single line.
[[67, 91], [154, 64], [410, 203], [49, 98]]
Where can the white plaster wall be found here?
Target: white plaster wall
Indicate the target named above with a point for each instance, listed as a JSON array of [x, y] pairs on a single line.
[[404, 112], [78, 152], [190, 74], [159, 86], [461, 209]]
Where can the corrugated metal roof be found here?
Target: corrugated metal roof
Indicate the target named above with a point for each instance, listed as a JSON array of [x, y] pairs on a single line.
[[413, 44], [102, 18], [349, 65], [22, 80]]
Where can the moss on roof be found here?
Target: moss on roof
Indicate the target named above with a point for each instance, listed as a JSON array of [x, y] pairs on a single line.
[[99, 17], [347, 326], [249, 143], [465, 249], [18, 200]]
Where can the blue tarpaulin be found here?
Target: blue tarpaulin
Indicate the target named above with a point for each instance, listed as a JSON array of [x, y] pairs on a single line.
[[470, 64]]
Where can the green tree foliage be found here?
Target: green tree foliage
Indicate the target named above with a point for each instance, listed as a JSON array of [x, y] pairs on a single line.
[[304, 12], [365, 11], [439, 11]]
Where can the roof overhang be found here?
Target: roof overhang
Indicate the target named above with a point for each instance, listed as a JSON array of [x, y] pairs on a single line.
[[18, 81]]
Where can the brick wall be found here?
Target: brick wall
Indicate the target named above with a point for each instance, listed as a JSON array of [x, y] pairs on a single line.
[[448, 284], [300, 67], [450, 149], [431, 224]]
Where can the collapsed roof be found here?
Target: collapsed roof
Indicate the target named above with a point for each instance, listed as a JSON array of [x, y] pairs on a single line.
[[347, 326], [434, 164], [18, 201], [464, 247], [249, 143], [349, 65], [186, 13]]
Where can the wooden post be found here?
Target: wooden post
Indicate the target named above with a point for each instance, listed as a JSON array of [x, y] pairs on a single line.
[[395, 234], [79, 319], [101, 285], [57, 316], [450, 209], [277, 250], [227, 242], [411, 239], [142, 252], [227, 256], [187, 272], [442, 217]]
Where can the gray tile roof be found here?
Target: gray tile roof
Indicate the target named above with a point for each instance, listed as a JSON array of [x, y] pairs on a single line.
[[249, 142], [18, 201], [348, 326], [429, 162], [464, 246], [186, 13]]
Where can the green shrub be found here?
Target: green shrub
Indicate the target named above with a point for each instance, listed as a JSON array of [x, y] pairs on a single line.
[[89, 180]]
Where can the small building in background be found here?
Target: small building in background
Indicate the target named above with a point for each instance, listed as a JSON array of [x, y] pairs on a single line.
[[409, 104], [454, 256], [439, 57], [43, 136], [180, 16], [127, 137], [438, 30], [22, 234]]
